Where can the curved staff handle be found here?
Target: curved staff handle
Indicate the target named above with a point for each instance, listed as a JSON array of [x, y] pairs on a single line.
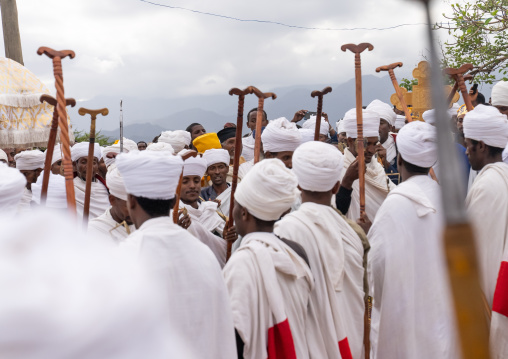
[[319, 95], [176, 207], [396, 86], [89, 164], [458, 75], [259, 118], [51, 141]]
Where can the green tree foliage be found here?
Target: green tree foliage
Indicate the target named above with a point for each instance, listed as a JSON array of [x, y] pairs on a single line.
[[82, 136], [478, 36], [408, 83]]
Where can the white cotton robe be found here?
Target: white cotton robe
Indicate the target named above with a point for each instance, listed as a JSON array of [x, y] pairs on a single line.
[[391, 149], [487, 207], [336, 310], [412, 312], [198, 303], [269, 285], [377, 187], [107, 227], [24, 204], [99, 198]]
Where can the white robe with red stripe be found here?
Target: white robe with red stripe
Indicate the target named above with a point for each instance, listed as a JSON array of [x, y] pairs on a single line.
[[269, 287], [487, 207], [499, 323], [412, 312], [336, 310]]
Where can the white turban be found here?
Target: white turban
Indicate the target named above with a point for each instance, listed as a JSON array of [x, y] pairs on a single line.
[[487, 124], [317, 165], [80, 149], [161, 146], [307, 134], [340, 126], [67, 295], [115, 184], [56, 195], [371, 121], [214, 156], [417, 144], [150, 174], [310, 124], [129, 144], [195, 166], [3, 156], [12, 185], [429, 116], [115, 149], [30, 160], [280, 135], [499, 94], [267, 190], [400, 122], [57, 154], [178, 139], [384, 111]]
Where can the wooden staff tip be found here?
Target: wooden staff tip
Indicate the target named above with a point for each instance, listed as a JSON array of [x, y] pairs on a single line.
[[357, 49], [54, 53]]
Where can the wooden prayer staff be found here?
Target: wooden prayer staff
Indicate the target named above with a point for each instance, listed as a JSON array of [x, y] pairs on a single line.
[[57, 57], [395, 83], [319, 95], [236, 163], [259, 118], [51, 142], [89, 164], [458, 236], [458, 75], [467, 77], [357, 50], [176, 207]]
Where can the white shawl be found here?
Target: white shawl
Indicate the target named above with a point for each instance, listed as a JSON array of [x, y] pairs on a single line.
[[391, 149], [99, 198], [207, 215], [24, 204], [106, 226], [225, 198]]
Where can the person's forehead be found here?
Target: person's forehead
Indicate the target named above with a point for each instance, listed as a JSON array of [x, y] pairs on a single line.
[[383, 121], [192, 178]]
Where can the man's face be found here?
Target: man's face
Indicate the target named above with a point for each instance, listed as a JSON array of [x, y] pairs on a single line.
[[473, 155], [384, 129], [119, 209], [460, 126], [142, 146], [251, 121], [31, 177], [284, 156], [229, 145], [342, 138], [218, 173], [11, 152], [55, 167], [323, 138], [191, 189], [197, 131], [81, 165], [502, 109], [369, 145]]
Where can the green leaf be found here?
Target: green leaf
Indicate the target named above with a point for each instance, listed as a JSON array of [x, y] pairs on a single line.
[[488, 21]]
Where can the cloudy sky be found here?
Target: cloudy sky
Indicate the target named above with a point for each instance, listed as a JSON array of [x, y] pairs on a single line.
[[132, 48]]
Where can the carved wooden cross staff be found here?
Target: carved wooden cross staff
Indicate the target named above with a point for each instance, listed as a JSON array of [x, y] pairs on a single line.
[[319, 95], [458, 75], [57, 57], [51, 141], [357, 50], [395, 83], [236, 163], [259, 118], [176, 207], [89, 164]]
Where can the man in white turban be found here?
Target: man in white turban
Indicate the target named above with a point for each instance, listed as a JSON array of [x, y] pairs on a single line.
[[109, 154], [12, 186], [115, 222], [377, 184], [217, 167], [56, 196], [336, 255], [56, 160], [67, 295], [324, 127], [280, 139], [341, 132], [268, 279], [178, 139], [486, 135], [387, 121], [99, 201], [186, 270], [411, 299], [30, 164]]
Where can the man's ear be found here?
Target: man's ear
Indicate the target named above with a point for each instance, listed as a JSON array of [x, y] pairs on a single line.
[[74, 166], [132, 204], [335, 188], [482, 147], [112, 200], [268, 154], [399, 161]]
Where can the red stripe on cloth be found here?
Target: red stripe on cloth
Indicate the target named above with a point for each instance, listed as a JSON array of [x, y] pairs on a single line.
[[345, 351], [500, 302], [280, 342]]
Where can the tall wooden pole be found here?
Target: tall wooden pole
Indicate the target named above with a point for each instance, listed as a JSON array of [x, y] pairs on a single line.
[[12, 39]]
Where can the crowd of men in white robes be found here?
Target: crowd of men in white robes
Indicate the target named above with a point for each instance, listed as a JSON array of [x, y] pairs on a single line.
[[308, 276]]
